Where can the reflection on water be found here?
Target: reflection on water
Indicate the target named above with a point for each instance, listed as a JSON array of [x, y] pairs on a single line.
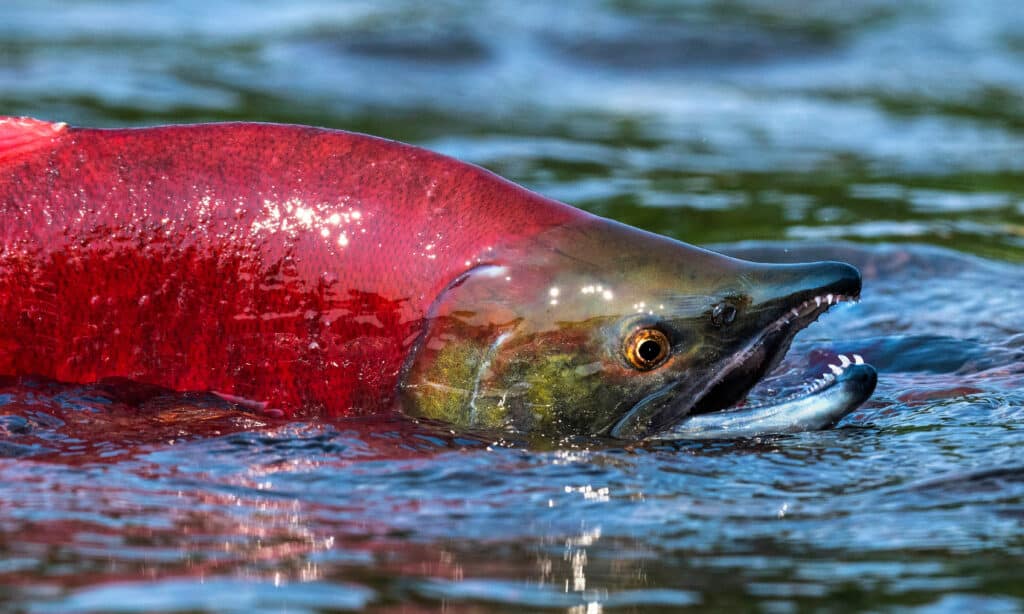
[[712, 122]]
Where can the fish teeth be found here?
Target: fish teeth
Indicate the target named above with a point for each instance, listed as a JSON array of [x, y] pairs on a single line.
[[844, 361], [858, 359], [817, 301], [836, 369], [830, 298]]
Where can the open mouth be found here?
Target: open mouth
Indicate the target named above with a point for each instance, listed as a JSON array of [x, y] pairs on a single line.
[[822, 404], [718, 411], [748, 367]]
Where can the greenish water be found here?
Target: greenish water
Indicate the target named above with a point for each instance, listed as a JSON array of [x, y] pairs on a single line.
[[890, 135]]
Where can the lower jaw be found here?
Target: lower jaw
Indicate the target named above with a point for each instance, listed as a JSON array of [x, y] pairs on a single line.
[[829, 399]]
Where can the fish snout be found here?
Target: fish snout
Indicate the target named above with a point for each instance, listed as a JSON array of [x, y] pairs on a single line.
[[797, 283]]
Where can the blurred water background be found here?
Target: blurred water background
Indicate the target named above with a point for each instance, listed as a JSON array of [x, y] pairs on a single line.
[[887, 134]]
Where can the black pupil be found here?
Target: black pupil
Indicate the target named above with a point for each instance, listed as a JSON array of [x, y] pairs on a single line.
[[649, 350]]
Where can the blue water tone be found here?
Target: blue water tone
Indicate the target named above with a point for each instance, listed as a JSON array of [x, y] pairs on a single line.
[[888, 135]]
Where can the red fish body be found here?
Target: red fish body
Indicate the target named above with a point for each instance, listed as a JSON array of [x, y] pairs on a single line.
[[287, 265], [317, 272]]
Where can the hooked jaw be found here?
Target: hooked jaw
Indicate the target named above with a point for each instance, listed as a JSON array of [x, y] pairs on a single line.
[[825, 402]]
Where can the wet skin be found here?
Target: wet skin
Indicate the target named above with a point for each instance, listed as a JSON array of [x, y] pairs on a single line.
[[316, 272]]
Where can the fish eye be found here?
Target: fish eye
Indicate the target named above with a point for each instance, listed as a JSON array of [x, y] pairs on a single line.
[[646, 348]]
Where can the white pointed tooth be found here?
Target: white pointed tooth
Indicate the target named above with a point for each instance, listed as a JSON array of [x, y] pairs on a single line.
[[858, 359], [794, 312], [844, 361], [817, 301], [830, 298], [828, 378], [836, 369]]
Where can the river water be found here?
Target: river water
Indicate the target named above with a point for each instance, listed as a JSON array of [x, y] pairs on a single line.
[[889, 135]]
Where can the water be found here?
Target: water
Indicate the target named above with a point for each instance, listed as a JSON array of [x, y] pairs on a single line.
[[886, 134]]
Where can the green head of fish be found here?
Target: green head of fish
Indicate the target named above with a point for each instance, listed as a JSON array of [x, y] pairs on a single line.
[[601, 329]]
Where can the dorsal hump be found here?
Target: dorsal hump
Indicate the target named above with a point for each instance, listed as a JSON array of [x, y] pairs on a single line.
[[22, 135]]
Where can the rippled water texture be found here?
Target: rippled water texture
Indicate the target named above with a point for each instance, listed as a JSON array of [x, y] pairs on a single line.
[[886, 134]]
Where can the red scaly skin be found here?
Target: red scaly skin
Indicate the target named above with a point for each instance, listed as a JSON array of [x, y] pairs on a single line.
[[279, 264]]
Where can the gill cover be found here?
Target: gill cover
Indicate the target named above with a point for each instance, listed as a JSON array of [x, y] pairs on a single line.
[[599, 328]]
